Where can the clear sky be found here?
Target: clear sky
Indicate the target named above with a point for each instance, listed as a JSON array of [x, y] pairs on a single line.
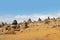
[[28, 7]]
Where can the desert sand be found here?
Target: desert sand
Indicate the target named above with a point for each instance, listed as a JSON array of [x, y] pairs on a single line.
[[36, 31], [36, 34]]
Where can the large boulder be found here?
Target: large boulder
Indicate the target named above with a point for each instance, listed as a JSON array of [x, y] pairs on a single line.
[[29, 20], [39, 20], [14, 22], [1, 24]]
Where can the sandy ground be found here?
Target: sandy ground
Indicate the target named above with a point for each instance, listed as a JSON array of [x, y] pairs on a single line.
[[36, 34]]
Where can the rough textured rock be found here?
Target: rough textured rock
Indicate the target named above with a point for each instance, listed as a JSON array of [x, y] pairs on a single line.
[[14, 22]]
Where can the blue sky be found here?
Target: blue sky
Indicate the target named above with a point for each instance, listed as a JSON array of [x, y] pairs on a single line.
[[12, 8]]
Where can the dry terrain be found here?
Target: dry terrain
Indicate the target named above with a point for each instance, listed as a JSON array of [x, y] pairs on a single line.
[[46, 30], [34, 34]]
